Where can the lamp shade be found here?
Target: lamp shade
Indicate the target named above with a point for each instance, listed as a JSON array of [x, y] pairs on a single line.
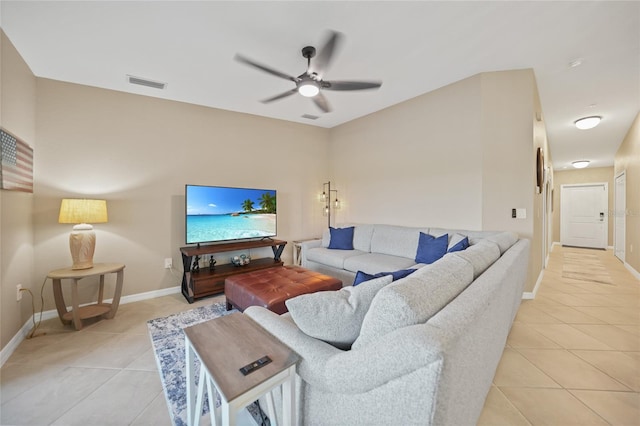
[[82, 240], [80, 210]]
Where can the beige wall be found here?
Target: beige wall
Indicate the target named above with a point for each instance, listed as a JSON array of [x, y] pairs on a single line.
[[627, 159], [17, 106], [577, 176], [138, 153], [461, 157], [414, 163]]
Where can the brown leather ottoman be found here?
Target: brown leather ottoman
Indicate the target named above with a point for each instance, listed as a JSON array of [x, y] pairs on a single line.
[[270, 288]]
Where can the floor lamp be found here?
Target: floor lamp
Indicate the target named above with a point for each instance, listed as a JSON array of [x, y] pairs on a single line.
[[326, 199]]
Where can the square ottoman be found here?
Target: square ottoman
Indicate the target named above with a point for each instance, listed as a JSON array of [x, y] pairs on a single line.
[[270, 288]]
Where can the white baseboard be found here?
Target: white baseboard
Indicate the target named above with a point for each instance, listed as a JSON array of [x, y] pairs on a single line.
[[633, 271], [46, 315], [528, 295]]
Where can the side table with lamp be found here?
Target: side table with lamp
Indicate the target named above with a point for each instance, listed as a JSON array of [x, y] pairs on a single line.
[[82, 242]]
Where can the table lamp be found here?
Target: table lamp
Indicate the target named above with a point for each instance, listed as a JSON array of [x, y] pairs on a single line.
[[82, 240]]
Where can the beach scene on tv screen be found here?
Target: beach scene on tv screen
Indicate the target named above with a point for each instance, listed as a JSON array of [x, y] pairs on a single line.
[[219, 214]]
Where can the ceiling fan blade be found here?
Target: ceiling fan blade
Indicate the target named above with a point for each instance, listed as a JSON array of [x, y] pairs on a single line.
[[351, 85], [322, 61], [321, 102], [265, 68], [280, 96]]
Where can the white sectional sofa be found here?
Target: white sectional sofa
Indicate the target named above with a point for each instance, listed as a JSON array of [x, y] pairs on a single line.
[[377, 248], [425, 347]]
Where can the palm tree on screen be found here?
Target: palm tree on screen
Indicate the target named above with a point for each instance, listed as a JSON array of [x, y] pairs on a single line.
[[247, 205], [268, 202]]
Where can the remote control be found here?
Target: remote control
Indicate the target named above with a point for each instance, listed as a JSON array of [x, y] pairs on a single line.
[[253, 366]]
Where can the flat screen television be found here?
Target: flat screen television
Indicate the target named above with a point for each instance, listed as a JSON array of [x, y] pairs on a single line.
[[218, 213]]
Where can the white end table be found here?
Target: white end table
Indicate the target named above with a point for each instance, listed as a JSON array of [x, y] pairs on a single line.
[[297, 250], [224, 345], [78, 313]]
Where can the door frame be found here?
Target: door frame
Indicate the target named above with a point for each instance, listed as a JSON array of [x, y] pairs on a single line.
[[620, 208]]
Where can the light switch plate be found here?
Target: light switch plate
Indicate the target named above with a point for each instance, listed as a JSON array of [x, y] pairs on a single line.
[[521, 213]]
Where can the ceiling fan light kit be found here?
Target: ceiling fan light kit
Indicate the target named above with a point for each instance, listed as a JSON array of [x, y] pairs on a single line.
[[308, 88], [310, 83], [586, 123]]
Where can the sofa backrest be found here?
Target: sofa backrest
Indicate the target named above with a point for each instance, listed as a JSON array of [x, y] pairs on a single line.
[[480, 256], [396, 240], [361, 236], [414, 299]]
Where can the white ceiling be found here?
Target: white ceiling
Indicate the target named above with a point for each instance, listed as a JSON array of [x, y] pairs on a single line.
[[413, 47]]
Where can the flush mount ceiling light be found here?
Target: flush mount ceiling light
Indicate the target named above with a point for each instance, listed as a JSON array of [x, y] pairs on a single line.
[[586, 123], [580, 164]]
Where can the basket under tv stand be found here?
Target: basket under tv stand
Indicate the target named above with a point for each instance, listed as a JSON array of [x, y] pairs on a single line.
[[206, 282]]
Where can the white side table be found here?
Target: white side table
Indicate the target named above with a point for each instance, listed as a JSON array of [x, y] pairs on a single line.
[[297, 251], [78, 313], [224, 345]]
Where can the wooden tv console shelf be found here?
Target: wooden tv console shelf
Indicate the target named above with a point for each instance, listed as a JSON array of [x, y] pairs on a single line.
[[205, 281]]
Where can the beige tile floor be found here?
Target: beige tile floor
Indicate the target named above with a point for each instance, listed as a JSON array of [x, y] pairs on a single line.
[[573, 357], [573, 354]]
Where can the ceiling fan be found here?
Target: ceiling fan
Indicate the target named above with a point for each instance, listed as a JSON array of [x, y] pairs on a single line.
[[311, 83]]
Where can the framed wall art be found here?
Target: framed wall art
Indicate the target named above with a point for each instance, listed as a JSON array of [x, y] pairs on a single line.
[[539, 170], [16, 167]]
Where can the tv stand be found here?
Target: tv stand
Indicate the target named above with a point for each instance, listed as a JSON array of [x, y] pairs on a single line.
[[205, 281]]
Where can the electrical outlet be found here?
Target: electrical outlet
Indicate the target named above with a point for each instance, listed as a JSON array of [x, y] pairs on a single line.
[[168, 263], [18, 292]]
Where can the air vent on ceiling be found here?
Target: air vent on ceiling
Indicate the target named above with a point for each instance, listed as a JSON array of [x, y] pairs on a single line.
[[310, 117], [146, 82]]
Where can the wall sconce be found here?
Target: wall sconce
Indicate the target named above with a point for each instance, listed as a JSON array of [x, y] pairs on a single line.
[[326, 198], [82, 240]]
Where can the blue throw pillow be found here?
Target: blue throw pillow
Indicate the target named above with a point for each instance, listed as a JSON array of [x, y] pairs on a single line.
[[341, 238], [400, 274], [363, 276], [463, 244], [430, 248]]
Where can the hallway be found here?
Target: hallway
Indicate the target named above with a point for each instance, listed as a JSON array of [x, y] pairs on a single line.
[[573, 354]]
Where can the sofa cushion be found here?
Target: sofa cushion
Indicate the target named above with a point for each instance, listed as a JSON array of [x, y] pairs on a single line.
[[396, 240], [416, 298], [363, 276], [333, 258], [335, 316], [458, 243], [341, 238], [504, 240], [430, 248], [480, 256], [362, 237], [372, 263]]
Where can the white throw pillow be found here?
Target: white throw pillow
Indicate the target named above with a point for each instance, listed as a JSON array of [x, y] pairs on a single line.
[[335, 316]]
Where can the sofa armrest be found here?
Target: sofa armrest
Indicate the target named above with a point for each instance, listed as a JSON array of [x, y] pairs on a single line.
[[314, 353], [305, 246], [392, 356]]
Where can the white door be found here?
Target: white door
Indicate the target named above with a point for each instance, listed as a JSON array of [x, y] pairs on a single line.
[[620, 202], [583, 215]]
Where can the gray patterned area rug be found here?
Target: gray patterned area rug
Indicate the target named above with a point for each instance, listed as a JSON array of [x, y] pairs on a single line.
[[167, 338]]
